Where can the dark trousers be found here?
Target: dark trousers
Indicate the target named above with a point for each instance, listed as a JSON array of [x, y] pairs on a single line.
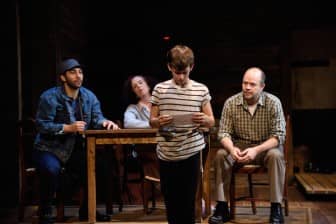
[[178, 185], [67, 178]]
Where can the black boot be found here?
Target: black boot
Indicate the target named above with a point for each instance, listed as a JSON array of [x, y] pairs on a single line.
[[276, 216], [83, 215], [221, 214], [45, 215]]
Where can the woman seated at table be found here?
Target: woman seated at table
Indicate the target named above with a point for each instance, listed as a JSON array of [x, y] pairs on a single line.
[[137, 94]]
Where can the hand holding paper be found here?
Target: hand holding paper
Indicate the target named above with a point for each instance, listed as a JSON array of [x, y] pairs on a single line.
[[183, 119]]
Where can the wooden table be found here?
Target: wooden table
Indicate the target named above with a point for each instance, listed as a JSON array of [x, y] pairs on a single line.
[[115, 137], [108, 137]]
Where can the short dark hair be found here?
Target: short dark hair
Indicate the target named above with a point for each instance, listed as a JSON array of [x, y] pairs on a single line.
[[180, 57]]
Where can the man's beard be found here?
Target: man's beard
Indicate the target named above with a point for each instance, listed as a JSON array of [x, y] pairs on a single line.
[[73, 86]]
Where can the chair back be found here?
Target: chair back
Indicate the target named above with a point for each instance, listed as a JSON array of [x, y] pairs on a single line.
[[28, 184], [26, 135], [289, 139]]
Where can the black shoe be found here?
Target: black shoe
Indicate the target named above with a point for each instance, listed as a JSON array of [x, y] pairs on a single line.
[[276, 216], [215, 219], [83, 216], [45, 215], [221, 214]]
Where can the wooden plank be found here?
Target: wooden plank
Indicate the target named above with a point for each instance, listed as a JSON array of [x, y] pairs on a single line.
[[315, 186], [303, 183], [332, 179], [315, 183], [324, 180]]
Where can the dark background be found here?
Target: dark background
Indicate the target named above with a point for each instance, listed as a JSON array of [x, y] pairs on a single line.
[[114, 42]]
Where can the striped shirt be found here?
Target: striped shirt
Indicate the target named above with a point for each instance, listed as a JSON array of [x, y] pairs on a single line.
[[181, 141], [243, 128]]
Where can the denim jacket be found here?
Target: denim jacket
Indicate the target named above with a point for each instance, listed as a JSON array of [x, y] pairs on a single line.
[[54, 110]]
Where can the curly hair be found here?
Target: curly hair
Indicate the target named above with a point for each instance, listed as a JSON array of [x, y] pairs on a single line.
[[129, 96]]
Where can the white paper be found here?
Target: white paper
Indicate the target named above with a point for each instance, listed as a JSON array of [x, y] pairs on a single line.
[[182, 119]]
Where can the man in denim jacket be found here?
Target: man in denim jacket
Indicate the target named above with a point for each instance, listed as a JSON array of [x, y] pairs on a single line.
[[63, 112]]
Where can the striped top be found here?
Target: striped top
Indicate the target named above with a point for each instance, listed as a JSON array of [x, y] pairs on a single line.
[[238, 124], [181, 140]]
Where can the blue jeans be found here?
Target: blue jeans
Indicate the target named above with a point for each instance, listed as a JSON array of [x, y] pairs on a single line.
[[49, 168], [53, 179]]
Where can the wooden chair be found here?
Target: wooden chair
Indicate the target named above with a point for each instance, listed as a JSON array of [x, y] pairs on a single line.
[[133, 172], [203, 194], [149, 181], [148, 178], [114, 192], [28, 175], [257, 169], [111, 191], [28, 181]]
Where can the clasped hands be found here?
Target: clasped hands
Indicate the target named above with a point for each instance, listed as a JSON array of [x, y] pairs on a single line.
[[244, 156]]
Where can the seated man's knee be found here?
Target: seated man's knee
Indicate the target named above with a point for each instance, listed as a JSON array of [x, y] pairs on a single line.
[[50, 165], [221, 154], [275, 154]]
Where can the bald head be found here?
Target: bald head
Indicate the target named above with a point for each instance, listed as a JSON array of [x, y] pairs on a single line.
[[253, 84], [256, 73]]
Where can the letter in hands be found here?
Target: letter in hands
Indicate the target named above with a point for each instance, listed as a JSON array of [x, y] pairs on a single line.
[[165, 119], [199, 118]]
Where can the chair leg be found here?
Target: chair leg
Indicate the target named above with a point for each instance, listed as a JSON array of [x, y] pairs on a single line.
[[115, 184], [254, 210], [286, 195], [22, 202], [153, 195], [144, 196], [232, 196], [109, 199], [60, 211], [21, 212], [109, 207], [59, 206]]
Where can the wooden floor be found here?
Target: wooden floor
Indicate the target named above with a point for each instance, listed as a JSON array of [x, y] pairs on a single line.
[[317, 192], [322, 207]]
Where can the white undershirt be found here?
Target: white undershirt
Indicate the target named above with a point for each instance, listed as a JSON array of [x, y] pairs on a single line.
[[252, 108]]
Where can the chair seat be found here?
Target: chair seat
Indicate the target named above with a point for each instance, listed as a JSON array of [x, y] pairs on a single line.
[[154, 179], [250, 169]]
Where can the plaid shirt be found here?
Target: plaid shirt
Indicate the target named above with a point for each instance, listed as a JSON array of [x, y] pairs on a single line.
[[243, 128]]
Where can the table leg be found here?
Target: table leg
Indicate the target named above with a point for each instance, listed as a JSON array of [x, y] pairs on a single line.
[[91, 161]]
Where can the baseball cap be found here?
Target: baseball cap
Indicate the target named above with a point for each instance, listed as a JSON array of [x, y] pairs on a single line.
[[68, 64]]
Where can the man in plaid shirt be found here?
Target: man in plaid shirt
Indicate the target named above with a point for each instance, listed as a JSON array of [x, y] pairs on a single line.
[[252, 130]]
